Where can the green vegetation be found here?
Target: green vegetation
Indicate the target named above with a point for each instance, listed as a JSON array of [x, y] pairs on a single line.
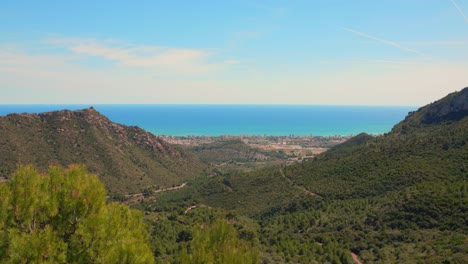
[[62, 217], [235, 156], [127, 159], [219, 243], [397, 198], [425, 223], [199, 234]]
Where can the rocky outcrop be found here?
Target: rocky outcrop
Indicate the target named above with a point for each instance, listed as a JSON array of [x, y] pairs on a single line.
[[451, 108]]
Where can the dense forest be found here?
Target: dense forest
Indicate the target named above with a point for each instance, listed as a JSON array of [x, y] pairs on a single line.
[[401, 197], [397, 198]]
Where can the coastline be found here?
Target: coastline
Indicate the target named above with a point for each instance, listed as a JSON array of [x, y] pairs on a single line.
[[239, 120], [301, 147]]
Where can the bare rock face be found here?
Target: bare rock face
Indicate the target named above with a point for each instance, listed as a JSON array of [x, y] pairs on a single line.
[[451, 108]]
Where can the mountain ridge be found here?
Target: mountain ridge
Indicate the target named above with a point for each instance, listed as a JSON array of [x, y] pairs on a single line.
[[368, 166], [452, 107], [115, 152], [401, 197]]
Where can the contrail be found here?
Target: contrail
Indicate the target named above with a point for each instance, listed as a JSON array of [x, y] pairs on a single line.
[[384, 41], [459, 10]]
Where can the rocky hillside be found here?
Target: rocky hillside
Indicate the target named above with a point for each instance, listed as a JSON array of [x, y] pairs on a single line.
[[453, 107], [128, 159]]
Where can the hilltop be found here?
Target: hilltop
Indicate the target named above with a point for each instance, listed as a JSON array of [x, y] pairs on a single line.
[[451, 108], [127, 158]]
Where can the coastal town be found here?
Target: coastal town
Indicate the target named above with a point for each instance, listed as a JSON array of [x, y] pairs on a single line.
[[298, 147]]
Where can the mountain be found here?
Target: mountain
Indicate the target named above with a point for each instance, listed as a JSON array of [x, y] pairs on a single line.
[[364, 166], [401, 197], [128, 159], [429, 145], [453, 107]]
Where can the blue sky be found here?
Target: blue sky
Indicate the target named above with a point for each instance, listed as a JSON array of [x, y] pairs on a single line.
[[398, 52]]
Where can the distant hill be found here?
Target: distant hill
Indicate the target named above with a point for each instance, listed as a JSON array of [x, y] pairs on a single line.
[[430, 144], [128, 159], [397, 198], [415, 151], [365, 166]]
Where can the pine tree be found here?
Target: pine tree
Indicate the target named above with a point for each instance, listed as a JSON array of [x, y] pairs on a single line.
[[219, 243], [62, 217]]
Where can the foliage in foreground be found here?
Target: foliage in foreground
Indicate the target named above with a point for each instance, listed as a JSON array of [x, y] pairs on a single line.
[[219, 244], [62, 217]]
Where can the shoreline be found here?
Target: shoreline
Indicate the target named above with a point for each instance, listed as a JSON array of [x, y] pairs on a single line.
[[301, 146]]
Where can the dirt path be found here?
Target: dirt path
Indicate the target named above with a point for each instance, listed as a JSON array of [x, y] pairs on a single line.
[[195, 206], [172, 188], [356, 258], [132, 198], [190, 208], [311, 193]]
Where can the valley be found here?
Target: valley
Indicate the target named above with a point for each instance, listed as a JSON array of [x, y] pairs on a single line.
[[288, 149], [234, 132], [400, 197], [394, 198]]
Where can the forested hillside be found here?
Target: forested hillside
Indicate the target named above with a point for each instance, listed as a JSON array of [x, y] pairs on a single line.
[[401, 197], [413, 152], [128, 159], [397, 198]]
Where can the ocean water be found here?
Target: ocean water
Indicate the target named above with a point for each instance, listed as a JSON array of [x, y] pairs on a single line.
[[215, 120]]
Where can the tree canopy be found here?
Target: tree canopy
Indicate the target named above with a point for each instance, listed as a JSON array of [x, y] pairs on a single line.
[[63, 217]]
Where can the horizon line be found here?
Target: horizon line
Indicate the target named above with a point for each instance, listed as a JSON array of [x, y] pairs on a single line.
[[198, 104]]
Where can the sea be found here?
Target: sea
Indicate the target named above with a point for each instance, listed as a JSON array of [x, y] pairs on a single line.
[[217, 120]]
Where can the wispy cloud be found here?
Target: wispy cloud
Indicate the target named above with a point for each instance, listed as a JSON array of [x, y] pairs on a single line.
[[459, 10], [56, 78], [370, 62], [383, 41], [140, 56], [448, 43]]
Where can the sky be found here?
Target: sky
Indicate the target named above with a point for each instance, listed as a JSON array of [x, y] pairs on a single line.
[[319, 52]]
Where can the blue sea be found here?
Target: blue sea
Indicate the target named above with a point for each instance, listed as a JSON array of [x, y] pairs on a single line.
[[216, 120]]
